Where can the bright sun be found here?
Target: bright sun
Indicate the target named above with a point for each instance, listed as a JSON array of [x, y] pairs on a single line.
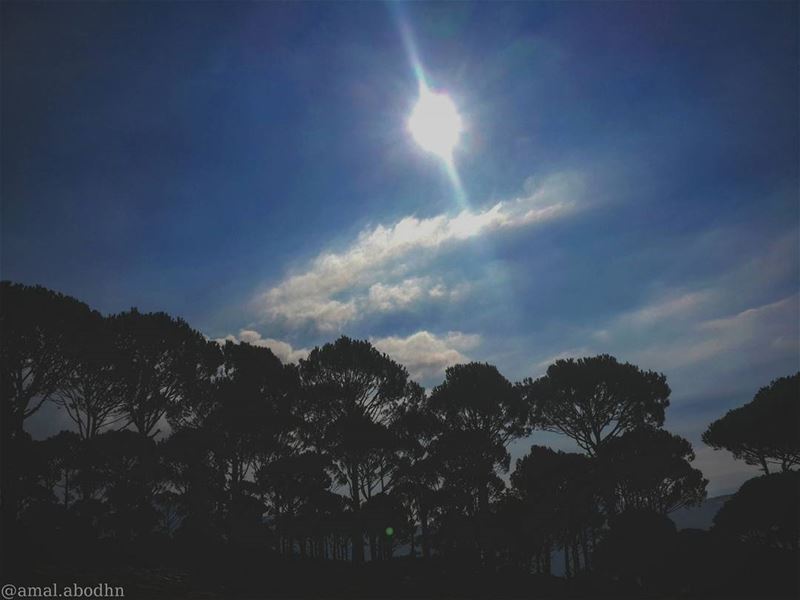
[[436, 124]]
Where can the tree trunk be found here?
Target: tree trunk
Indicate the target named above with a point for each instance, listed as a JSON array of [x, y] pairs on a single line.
[[358, 539], [548, 559], [10, 431], [576, 559], [585, 546], [423, 518]]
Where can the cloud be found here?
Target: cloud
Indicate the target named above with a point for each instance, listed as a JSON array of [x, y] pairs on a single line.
[[677, 306], [759, 331], [426, 355], [281, 349], [740, 318], [371, 274]]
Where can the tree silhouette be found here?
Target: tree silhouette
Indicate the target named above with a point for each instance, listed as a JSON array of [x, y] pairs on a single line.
[[637, 547], [195, 482], [36, 347], [479, 408], [127, 465], [164, 360], [480, 413], [419, 470], [37, 329], [764, 511], [559, 493], [292, 485], [764, 431], [592, 400], [62, 452], [352, 393], [467, 463], [251, 423], [260, 462], [92, 390], [648, 468]]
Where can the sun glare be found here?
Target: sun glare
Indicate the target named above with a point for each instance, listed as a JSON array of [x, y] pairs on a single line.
[[435, 124]]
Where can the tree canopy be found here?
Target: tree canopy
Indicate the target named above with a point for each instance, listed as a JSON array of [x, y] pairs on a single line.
[[179, 441], [480, 413], [596, 399], [37, 349], [764, 431], [164, 362], [764, 511], [649, 469], [352, 395]]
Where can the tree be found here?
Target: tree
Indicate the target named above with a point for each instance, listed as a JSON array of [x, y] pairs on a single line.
[[289, 484], [468, 463], [637, 547], [37, 330], [419, 473], [352, 394], [648, 468], [764, 431], [477, 405], [559, 493], [126, 465], [251, 423], [91, 391], [165, 362], [764, 511], [197, 485], [62, 452], [596, 399]]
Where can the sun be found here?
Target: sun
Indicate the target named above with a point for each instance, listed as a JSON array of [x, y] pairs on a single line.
[[435, 124]]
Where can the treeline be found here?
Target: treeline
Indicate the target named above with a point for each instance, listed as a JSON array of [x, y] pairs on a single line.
[[220, 459]]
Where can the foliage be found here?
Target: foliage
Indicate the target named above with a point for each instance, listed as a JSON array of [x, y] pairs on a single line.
[[237, 459], [764, 511], [92, 391], [764, 431], [352, 396], [37, 350], [163, 362], [637, 547], [480, 413], [648, 468], [559, 493], [596, 399]]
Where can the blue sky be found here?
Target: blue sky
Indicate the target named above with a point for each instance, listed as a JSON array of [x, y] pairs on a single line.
[[630, 173]]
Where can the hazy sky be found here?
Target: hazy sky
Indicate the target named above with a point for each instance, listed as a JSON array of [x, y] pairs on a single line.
[[630, 177]]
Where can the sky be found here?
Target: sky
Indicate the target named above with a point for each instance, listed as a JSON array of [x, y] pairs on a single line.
[[628, 182]]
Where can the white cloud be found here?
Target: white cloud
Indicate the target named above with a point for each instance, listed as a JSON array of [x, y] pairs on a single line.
[[281, 349], [426, 355], [756, 332], [390, 297], [676, 306], [370, 275], [685, 339]]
